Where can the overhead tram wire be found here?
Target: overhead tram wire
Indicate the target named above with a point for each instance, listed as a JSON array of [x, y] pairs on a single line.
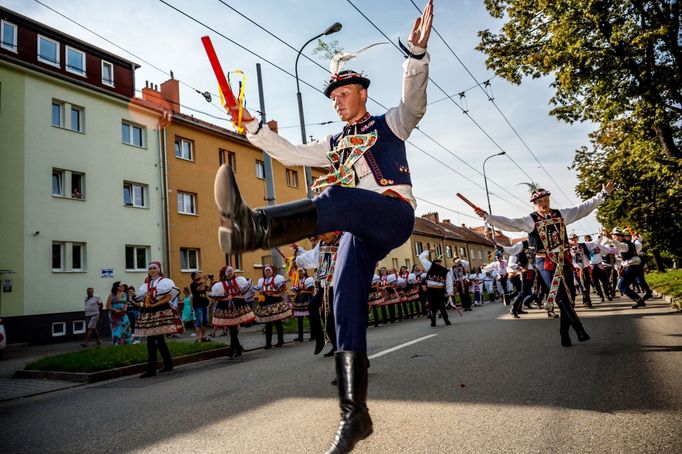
[[460, 92], [446, 208], [464, 111], [126, 51], [492, 100], [317, 89], [374, 100]]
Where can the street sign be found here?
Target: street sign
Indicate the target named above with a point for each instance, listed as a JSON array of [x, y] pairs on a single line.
[[7, 286], [106, 272]]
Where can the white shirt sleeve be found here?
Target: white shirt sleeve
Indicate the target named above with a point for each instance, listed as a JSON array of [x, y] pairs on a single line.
[[524, 224], [449, 285], [575, 213], [425, 262], [513, 250], [308, 259], [313, 154], [412, 106]]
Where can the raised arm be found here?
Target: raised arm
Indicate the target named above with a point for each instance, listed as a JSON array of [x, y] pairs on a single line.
[[308, 259], [412, 106], [524, 224], [314, 154], [425, 262], [580, 211]]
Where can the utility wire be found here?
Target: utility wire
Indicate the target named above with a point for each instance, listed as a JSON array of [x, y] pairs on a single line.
[[492, 100], [306, 83], [464, 111], [126, 51]]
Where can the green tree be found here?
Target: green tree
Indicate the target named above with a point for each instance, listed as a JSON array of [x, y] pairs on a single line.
[[611, 59], [649, 192]]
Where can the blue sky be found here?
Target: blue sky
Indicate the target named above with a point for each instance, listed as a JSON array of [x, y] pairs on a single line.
[[171, 41]]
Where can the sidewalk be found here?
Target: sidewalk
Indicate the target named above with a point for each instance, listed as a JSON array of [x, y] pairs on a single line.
[[18, 356]]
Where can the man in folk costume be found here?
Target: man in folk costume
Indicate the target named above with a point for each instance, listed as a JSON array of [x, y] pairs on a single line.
[[368, 195], [546, 228], [631, 263], [438, 282], [523, 256], [323, 258], [581, 261], [460, 272]]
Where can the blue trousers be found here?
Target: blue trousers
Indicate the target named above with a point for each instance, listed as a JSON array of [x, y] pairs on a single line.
[[375, 224], [629, 275]]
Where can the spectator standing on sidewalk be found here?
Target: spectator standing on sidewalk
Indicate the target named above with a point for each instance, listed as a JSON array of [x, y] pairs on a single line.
[[117, 304], [133, 311], [187, 309], [93, 305], [200, 286]]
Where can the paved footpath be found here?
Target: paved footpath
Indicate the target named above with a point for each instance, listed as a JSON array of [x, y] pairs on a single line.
[[486, 384]]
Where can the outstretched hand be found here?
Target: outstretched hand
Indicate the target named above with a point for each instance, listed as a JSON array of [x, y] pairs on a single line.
[[608, 187], [480, 213], [422, 27]]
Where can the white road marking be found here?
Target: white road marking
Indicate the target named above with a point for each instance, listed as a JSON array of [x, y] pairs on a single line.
[[398, 347]]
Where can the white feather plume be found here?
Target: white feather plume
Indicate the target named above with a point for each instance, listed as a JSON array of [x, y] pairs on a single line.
[[342, 58]]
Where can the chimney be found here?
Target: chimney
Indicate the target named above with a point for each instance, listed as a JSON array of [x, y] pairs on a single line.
[[151, 95], [447, 221], [433, 216], [464, 226], [170, 91]]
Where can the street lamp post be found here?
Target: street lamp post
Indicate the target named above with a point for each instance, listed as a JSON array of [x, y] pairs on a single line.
[[306, 170], [485, 180]]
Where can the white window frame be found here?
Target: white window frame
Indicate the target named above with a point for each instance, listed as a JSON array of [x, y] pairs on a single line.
[[61, 332], [61, 182], [82, 188], [182, 206], [66, 256], [56, 63], [62, 252], [80, 127], [235, 261], [418, 247], [78, 326], [62, 113], [260, 165], [145, 194], [291, 178], [69, 68], [83, 254], [448, 251], [480, 255], [132, 126], [183, 141], [135, 247], [13, 45], [109, 83], [185, 254]]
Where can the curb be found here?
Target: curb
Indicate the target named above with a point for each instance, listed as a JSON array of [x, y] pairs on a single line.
[[676, 303], [93, 377]]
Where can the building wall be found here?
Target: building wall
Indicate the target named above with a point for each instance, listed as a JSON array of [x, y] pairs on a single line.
[[12, 124], [400, 256], [100, 219]]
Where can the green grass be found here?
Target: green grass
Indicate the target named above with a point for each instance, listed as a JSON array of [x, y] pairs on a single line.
[[104, 358], [669, 283]]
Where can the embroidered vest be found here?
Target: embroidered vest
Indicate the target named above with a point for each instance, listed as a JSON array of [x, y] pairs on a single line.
[[631, 252], [554, 232], [230, 286], [437, 273], [387, 158], [327, 263]]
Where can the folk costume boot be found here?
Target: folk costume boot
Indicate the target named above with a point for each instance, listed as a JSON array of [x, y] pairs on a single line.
[[243, 229], [355, 425]]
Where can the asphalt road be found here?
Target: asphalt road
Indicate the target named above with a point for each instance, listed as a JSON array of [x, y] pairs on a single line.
[[486, 384]]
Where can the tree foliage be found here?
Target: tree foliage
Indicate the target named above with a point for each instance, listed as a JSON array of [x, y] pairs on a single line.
[[611, 59], [649, 192], [326, 50]]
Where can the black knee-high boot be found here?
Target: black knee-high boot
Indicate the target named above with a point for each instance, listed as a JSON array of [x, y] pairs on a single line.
[[165, 354], [444, 314], [243, 229], [300, 329], [268, 335], [280, 333], [384, 315], [356, 424], [151, 357], [235, 345], [316, 328]]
